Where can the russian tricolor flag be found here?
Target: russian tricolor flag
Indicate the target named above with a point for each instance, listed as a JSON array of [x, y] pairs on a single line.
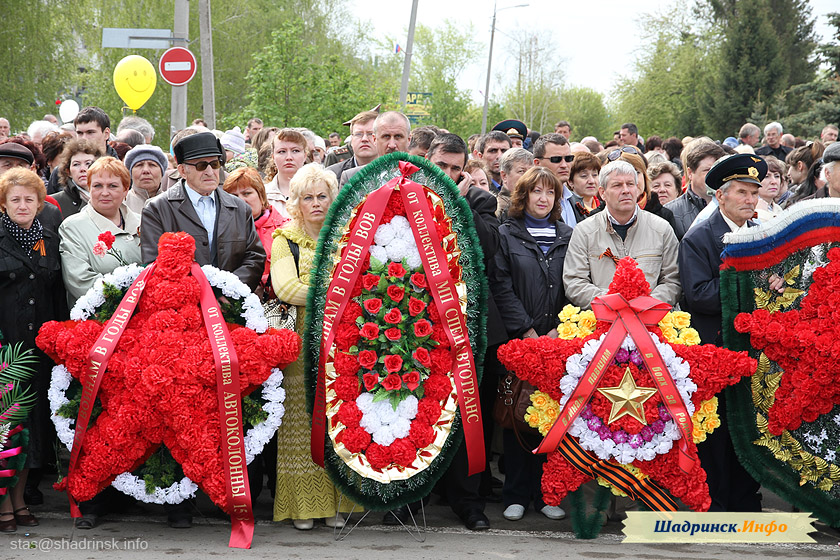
[[397, 48]]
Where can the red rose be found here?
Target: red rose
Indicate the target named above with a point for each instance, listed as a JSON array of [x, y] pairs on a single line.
[[422, 356], [419, 280], [355, 439], [422, 328], [370, 281], [349, 414], [346, 387], [396, 293], [346, 364], [107, 238], [437, 387], [379, 456], [393, 363], [396, 270], [370, 380], [403, 451], [393, 334], [411, 380], [392, 382], [394, 316], [373, 305], [415, 306], [421, 434], [370, 331], [367, 359]]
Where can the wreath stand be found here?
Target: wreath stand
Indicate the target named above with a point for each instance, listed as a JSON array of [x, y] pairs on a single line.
[[417, 532]]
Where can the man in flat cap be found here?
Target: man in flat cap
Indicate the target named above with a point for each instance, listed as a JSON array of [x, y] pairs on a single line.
[[516, 131], [14, 155], [221, 224], [735, 180]]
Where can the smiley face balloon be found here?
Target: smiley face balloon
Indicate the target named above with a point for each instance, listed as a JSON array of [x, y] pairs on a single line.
[[135, 80]]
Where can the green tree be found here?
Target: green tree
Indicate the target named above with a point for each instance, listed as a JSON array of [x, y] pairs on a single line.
[[585, 110]]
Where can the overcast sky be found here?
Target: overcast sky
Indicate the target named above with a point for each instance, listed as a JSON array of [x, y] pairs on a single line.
[[596, 36]]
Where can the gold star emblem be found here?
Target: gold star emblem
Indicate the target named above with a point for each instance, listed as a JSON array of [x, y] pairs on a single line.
[[627, 398]]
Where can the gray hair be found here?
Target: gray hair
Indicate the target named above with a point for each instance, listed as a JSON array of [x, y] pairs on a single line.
[[392, 115], [41, 128], [617, 167], [725, 187], [514, 156], [139, 124], [772, 125], [747, 130]]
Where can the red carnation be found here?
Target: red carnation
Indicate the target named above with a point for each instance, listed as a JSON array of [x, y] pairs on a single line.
[[393, 363], [107, 238], [373, 305], [367, 359], [421, 434], [423, 357], [428, 411], [349, 414], [394, 316], [422, 328], [437, 387], [393, 334], [396, 270], [370, 331], [403, 451], [411, 380], [355, 439], [346, 387], [370, 380], [392, 382], [370, 281], [419, 280], [396, 293], [441, 361], [379, 456], [347, 336], [346, 364], [415, 306]]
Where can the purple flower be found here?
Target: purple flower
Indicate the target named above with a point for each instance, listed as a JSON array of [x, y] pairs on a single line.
[[636, 358], [593, 424], [658, 426], [620, 436], [622, 356], [636, 441], [586, 413], [663, 414], [646, 433], [604, 433]]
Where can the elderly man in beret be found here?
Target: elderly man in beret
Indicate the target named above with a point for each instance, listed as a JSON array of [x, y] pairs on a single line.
[[735, 181], [146, 163], [222, 224]]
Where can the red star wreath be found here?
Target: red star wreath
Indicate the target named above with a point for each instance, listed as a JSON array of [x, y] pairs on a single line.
[[160, 384], [624, 431]]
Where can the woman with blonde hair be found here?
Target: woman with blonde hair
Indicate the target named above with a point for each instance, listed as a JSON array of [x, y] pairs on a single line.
[[303, 492]]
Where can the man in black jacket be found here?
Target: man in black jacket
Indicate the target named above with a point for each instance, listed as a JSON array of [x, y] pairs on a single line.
[[92, 123]]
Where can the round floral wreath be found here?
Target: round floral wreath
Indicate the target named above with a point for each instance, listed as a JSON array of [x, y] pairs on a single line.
[[272, 392]]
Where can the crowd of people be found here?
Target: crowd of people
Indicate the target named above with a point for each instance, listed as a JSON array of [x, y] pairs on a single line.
[[553, 217]]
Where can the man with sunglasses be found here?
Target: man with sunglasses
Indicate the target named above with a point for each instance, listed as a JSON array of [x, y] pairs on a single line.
[[554, 152], [221, 224]]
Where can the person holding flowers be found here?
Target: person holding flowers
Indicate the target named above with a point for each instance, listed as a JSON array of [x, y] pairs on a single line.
[[30, 295], [104, 234], [528, 289], [303, 491]]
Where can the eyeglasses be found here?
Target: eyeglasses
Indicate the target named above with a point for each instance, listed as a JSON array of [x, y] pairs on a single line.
[[615, 154], [363, 134], [558, 159], [202, 165]]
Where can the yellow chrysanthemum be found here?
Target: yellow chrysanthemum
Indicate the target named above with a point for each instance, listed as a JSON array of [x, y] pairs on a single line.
[[587, 321], [670, 334], [568, 312], [681, 319], [689, 337], [667, 321], [567, 331]]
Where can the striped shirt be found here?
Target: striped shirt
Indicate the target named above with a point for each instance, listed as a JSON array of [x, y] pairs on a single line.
[[543, 231]]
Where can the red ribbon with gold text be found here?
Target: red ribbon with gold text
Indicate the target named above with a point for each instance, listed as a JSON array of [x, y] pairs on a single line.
[[230, 416], [97, 364], [631, 318], [341, 286]]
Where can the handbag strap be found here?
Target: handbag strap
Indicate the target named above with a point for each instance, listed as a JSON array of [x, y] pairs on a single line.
[[295, 249]]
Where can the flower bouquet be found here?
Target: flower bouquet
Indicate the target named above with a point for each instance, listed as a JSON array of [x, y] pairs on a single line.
[[395, 333], [16, 401], [624, 400], [148, 377], [785, 423]]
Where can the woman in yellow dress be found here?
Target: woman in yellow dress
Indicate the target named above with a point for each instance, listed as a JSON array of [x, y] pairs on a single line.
[[304, 492]]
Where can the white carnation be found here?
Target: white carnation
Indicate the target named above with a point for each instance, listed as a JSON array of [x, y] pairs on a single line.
[[384, 234]]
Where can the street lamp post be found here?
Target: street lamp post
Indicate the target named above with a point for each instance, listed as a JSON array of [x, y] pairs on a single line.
[[489, 63]]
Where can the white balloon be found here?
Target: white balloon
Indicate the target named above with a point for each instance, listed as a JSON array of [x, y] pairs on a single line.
[[68, 110]]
